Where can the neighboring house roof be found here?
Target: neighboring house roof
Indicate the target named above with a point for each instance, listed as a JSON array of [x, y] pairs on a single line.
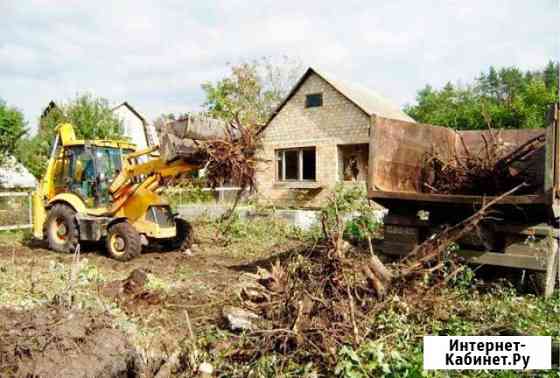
[[14, 175], [364, 98], [126, 104]]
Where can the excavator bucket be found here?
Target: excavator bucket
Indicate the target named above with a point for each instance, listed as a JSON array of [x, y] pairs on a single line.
[[181, 139]]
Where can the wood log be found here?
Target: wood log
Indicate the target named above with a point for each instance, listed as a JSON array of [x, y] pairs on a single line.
[[375, 282], [377, 266]]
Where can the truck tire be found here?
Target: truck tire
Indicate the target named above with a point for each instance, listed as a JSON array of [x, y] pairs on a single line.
[[183, 240], [123, 242], [61, 229]]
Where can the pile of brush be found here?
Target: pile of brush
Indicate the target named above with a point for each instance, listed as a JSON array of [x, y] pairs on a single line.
[[317, 301], [225, 150], [231, 161], [494, 168], [325, 297]]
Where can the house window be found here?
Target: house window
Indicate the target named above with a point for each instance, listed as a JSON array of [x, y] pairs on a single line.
[[313, 100], [296, 164]]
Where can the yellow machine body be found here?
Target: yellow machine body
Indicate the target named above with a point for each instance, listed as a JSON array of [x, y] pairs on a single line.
[[103, 182]]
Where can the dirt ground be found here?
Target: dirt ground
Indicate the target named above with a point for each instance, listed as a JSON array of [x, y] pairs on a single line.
[[150, 311], [177, 287]]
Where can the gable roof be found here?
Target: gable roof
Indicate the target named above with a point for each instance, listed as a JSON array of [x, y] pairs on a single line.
[[126, 104], [367, 100]]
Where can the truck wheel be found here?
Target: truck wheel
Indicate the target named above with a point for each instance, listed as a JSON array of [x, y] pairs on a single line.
[[183, 240], [61, 229], [123, 242]]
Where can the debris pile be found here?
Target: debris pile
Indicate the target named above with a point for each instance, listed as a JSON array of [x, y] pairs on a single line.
[[327, 296], [494, 168], [227, 151], [320, 299]]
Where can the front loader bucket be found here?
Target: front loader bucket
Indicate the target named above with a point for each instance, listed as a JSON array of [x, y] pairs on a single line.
[[172, 148], [180, 138], [202, 128]]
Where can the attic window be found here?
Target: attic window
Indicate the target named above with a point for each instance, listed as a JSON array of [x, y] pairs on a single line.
[[313, 100]]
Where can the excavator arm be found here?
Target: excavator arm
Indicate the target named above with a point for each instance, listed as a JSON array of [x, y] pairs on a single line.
[[141, 170]]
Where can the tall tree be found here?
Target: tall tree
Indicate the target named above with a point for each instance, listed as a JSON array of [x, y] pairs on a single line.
[[252, 90], [91, 117], [12, 128], [501, 98]]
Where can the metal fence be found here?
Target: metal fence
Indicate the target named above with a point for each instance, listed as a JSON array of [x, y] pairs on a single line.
[[15, 210]]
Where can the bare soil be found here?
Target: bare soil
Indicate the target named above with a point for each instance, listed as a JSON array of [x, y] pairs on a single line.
[[50, 341], [42, 339]]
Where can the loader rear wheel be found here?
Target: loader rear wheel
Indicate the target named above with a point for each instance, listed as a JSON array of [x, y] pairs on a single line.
[[61, 229], [123, 242], [183, 240]]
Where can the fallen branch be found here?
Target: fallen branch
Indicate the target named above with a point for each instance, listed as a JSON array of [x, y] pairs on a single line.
[[434, 247]]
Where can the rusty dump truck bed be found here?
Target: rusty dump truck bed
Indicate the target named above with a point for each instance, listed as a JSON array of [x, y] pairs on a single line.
[[397, 153], [398, 150]]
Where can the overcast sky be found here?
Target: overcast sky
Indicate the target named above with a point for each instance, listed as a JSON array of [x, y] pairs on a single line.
[[156, 54]]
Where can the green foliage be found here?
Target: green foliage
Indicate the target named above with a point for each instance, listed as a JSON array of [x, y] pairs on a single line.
[[91, 116], [12, 128], [248, 237], [352, 206], [92, 119], [372, 359], [190, 191], [504, 98], [252, 90]]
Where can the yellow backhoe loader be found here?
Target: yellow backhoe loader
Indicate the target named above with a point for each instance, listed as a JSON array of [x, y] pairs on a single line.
[[107, 190]]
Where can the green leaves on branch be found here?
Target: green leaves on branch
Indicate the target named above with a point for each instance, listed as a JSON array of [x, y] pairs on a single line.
[[252, 90], [91, 116], [504, 98], [12, 128], [92, 119]]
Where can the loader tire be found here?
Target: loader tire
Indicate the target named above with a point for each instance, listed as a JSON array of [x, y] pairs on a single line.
[[123, 242], [183, 240], [61, 229]]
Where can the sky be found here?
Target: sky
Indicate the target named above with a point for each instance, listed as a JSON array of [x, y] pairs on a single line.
[[156, 54]]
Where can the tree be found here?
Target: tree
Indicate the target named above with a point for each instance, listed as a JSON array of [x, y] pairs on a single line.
[[500, 98], [12, 128], [91, 117], [252, 90]]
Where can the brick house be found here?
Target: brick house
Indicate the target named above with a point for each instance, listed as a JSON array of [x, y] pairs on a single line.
[[317, 137]]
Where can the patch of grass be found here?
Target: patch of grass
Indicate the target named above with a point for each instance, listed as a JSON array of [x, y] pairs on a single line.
[[12, 237], [158, 284], [252, 237]]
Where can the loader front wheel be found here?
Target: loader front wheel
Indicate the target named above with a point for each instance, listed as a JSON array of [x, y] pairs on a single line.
[[61, 229], [123, 242], [183, 240]]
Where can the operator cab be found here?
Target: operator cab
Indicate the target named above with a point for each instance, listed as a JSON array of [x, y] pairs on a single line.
[[87, 170]]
